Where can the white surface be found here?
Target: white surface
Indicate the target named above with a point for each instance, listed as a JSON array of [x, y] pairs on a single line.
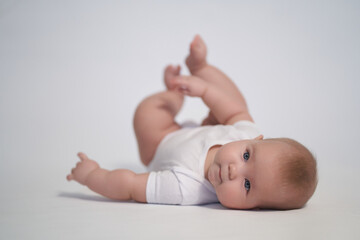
[[72, 73]]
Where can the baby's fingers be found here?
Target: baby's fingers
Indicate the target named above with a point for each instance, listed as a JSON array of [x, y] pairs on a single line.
[[82, 156], [70, 177]]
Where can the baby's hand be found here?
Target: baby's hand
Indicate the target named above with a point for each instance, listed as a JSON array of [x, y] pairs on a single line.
[[190, 85], [82, 169]]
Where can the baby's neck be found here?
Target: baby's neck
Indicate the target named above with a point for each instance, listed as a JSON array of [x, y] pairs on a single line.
[[210, 159]]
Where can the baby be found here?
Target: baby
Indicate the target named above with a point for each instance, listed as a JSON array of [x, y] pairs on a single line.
[[224, 160]]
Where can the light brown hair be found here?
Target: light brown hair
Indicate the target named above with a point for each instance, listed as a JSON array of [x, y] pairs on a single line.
[[298, 170]]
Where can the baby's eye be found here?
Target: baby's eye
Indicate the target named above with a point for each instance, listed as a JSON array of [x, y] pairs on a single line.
[[247, 184], [246, 156]]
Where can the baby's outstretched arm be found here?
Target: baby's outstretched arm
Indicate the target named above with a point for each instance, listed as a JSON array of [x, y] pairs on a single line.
[[121, 184], [226, 108]]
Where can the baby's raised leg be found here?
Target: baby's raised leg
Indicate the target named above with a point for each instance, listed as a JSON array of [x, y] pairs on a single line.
[[198, 66], [154, 119]]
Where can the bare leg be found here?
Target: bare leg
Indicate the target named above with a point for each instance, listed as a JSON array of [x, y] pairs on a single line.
[[196, 62], [154, 118], [198, 66]]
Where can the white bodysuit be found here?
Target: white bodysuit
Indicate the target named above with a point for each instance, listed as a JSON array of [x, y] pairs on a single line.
[[177, 169]]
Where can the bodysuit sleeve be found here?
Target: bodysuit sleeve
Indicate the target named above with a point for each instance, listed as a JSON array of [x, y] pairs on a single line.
[[179, 186], [163, 188], [248, 128]]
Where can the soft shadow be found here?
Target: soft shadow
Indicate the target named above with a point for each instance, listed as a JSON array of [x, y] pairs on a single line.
[[87, 197], [215, 206], [218, 206]]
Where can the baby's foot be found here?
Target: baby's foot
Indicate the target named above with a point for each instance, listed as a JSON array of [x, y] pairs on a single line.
[[169, 73], [197, 56]]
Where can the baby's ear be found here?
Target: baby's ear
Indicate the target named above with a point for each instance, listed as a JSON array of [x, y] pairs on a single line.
[[260, 137]]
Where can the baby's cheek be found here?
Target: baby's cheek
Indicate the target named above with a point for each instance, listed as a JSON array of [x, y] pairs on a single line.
[[229, 196]]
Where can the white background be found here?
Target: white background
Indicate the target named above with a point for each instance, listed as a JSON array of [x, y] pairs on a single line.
[[73, 72]]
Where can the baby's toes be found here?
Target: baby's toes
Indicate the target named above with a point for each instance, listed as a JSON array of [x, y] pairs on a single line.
[[171, 83], [177, 70], [168, 70], [169, 74], [197, 56], [198, 48]]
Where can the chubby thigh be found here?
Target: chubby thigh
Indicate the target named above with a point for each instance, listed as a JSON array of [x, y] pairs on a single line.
[[153, 120]]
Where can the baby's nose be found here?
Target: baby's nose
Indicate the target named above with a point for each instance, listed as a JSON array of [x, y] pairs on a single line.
[[232, 171]]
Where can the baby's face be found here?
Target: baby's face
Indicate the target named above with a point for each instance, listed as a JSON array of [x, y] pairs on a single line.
[[245, 174]]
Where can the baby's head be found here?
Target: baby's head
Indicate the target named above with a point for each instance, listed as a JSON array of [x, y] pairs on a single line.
[[277, 173]]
